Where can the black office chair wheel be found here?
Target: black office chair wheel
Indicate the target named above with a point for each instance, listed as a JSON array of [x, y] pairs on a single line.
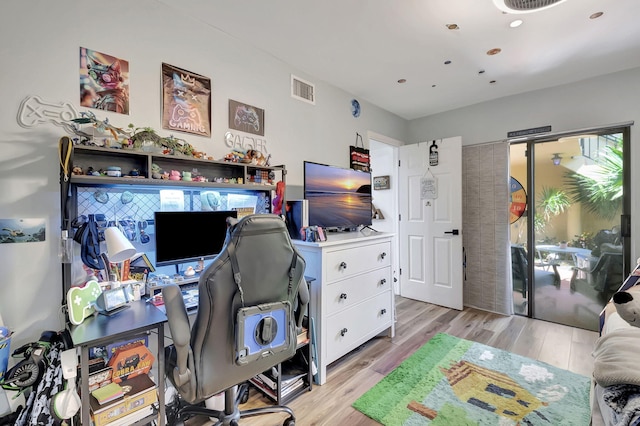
[[289, 422]]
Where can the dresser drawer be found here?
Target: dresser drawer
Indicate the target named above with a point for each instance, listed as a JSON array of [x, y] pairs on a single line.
[[354, 326], [343, 294], [355, 260]]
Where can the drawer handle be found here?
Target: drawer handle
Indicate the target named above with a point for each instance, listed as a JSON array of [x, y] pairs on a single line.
[[383, 255], [383, 311], [343, 265], [343, 332], [383, 281], [343, 296]]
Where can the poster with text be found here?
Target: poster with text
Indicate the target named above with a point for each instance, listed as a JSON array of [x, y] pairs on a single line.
[[186, 101], [104, 81]]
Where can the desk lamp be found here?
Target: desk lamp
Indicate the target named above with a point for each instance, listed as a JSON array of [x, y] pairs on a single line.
[[119, 248]]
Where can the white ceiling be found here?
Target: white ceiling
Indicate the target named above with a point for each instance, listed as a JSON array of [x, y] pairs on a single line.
[[365, 46]]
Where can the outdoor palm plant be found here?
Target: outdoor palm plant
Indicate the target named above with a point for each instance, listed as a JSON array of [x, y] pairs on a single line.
[[600, 192], [552, 202]]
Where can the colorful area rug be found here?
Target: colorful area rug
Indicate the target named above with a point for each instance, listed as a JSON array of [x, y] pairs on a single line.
[[451, 381]]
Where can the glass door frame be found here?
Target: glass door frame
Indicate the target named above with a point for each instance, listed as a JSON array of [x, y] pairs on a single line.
[[625, 219]]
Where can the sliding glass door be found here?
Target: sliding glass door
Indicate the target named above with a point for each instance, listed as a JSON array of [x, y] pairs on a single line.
[[568, 248]]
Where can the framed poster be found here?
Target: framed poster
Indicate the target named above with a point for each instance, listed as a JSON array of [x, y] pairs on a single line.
[[104, 81], [246, 118], [186, 101]]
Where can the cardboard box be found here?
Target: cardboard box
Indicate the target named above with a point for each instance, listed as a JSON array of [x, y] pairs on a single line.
[[140, 392], [130, 361]]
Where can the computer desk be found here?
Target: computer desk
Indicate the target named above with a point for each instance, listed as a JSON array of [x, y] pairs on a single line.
[[99, 330]]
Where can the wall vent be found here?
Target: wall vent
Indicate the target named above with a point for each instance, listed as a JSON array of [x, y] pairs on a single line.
[[303, 90], [525, 6]]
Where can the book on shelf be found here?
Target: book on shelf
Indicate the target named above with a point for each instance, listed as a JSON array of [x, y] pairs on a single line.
[[303, 336], [258, 383], [294, 387], [108, 393]]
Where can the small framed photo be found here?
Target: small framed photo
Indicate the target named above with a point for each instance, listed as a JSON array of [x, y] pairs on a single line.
[[246, 118], [381, 182]]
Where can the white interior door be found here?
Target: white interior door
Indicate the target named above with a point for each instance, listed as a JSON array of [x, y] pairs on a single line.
[[431, 229]]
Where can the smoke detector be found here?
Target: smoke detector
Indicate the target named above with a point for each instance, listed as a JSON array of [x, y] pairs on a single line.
[[525, 6]]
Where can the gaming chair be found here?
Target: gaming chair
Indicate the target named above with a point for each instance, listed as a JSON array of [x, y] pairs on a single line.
[[252, 299]]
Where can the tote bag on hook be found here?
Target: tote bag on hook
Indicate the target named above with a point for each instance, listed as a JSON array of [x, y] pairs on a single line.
[[359, 156]]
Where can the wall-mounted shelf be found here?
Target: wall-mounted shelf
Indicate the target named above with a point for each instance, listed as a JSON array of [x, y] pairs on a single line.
[[220, 174]]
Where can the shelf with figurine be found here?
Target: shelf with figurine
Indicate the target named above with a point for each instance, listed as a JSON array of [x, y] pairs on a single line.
[[106, 154], [115, 166]]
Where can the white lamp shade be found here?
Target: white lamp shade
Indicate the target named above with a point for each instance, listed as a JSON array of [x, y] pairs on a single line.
[[119, 248]]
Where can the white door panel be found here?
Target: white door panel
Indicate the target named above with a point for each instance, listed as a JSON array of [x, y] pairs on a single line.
[[430, 254]]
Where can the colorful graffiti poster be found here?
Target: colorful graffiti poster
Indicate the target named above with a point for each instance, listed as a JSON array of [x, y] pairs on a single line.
[[104, 81], [186, 101]]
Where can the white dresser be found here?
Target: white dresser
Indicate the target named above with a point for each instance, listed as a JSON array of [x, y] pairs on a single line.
[[352, 297]]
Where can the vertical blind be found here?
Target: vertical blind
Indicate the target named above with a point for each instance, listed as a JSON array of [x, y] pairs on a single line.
[[485, 206]]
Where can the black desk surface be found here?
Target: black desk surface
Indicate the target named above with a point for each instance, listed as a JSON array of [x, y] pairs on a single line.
[[140, 316]]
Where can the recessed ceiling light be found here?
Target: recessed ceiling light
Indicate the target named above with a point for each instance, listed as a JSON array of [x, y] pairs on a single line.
[[453, 26], [481, 72], [447, 62], [402, 80], [433, 85], [493, 82], [516, 23], [596, 15], [495, 51]]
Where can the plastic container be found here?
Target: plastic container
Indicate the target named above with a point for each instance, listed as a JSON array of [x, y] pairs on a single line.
[[5, 350]]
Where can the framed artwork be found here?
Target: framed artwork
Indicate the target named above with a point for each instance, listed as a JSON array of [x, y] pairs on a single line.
[[381, 182], [186, 101], [104, 81], [246, 118]]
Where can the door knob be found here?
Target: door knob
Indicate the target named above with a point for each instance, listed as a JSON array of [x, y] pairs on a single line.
[[454, 232]]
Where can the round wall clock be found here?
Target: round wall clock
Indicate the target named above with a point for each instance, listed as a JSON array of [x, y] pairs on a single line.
[[355, 108], [517, 200]]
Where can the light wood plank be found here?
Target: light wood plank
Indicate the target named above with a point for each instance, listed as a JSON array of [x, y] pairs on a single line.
[[355, 373]]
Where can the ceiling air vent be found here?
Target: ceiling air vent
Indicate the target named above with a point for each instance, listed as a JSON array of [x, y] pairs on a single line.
[[303, 90], [525, 6]]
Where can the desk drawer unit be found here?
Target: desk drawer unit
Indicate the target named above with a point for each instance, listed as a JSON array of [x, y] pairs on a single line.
[[352, 294]]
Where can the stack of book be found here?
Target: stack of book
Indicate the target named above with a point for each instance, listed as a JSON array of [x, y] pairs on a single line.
[[124, 403], [294, 376]]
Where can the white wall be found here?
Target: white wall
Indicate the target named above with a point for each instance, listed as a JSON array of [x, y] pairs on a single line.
[[594, 102], [40, 56]]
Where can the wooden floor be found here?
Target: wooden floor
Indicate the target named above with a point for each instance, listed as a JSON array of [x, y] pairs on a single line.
[[416, 322]]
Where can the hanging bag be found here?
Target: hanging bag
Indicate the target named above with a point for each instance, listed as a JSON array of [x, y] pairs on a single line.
[[359, 156]]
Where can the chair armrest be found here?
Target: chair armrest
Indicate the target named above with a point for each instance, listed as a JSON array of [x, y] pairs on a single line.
[[180, 330], [303, 302]]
